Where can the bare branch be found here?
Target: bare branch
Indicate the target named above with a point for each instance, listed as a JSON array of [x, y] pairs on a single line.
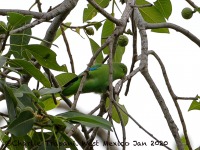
[[119, 83], [134, 57], [174, 97], [4, 115], [37, 15], [122, 124], [103, 12], [192, 3], [39, 4], [144, 65], [10, 77], [68, 49], [170, 121], [65, 8], [180, 29], [187, 98]]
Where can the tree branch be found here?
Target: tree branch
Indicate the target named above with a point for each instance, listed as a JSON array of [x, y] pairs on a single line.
[[64, 8], [104, 13], [37, 15], [134, 57], [68, 49], [144, 65], [192, 3], [174, 97], [185, 32]]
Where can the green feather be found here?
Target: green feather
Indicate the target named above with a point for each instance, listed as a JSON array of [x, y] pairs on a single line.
[[97, 79]]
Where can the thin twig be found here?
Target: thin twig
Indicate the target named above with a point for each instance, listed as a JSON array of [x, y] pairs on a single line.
[[32, 6], [143, 6], [120, 82], [122, 124], [65, 8], [103, 12], [84, 130], [4, 41], [10, 77], [39, 4], [180, 29], [68, 49], [187, 98], [2, 114], [134, 58], [82, 26], [3, 127], [192, 3]]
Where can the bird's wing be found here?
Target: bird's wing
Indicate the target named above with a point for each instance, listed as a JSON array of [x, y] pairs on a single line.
[[92, 68], [71, 82], [95, 67]]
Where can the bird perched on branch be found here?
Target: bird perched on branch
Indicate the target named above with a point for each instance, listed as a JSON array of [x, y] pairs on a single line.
[[97, 79]]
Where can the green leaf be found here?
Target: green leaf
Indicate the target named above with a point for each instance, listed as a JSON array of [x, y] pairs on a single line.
[[24, 89], [165, 7], [115, 115], [2, 61], [16, 20], [3, 137], [103, 3], [95, 47], [26, 97], [12, 143], [26, 101], [119, 53], [28, 139], [57, 121], [36, 137], [51, 90], [11, 100], [32, 70], [45, 56], [3, 28], [23, 124], [64, 78], [152, 15], [97, 25], [88, 120], [108, 29], [90, 12], [71, 143], [78, 30], [47, 102], [195, 105], [18, 40]]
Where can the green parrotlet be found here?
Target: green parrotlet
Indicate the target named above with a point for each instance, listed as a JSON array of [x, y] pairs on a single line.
[[97, 79]]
